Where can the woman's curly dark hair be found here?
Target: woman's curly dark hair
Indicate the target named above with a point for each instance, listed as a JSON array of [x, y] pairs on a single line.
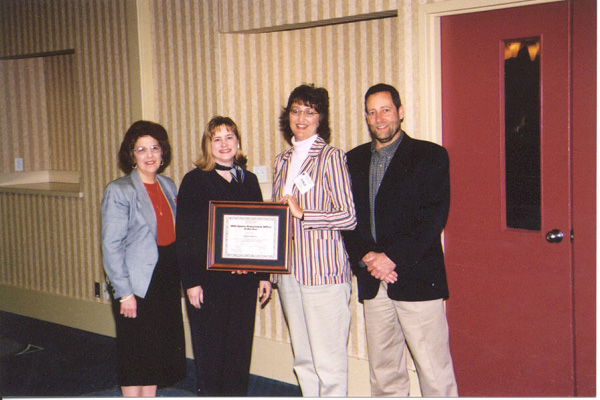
[[310, 96], [137, 130]]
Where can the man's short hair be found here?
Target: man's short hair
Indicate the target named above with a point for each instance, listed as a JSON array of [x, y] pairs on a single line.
[[384, 87]]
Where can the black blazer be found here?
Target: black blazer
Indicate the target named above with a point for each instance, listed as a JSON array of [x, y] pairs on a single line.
[[411, 209], [197, 188]]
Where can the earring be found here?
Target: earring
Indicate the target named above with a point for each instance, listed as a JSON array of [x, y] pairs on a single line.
[[162, 162], [134, 166]]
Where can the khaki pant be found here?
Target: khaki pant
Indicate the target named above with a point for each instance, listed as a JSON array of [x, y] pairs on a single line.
[[422, 326], [318, 318]]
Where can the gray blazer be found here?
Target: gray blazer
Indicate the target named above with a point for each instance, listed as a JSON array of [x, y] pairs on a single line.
[[129, 248]]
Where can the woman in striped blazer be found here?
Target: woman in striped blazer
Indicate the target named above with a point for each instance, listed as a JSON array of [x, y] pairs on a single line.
[[312, 178]]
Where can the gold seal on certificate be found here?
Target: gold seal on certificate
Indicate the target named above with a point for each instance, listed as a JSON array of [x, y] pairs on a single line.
[[250, 236]]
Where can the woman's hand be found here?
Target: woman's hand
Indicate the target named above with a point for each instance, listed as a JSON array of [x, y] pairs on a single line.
[[294, 206], [196, 296], [128, 306], [264, 291], [239, 272]]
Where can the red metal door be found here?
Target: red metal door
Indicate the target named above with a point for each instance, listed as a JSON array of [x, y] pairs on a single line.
[[511, 303]]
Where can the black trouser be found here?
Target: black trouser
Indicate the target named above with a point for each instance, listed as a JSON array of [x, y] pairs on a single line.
[[222, 331]]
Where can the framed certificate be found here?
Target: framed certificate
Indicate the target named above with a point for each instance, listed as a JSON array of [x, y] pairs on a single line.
[[249, 236]]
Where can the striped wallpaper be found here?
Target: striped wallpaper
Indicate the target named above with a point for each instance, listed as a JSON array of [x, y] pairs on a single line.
[[23, 114], [52, 244], [37, 114], [61, 87]]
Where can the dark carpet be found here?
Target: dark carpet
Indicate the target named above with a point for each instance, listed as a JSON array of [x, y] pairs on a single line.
[[39, 358]]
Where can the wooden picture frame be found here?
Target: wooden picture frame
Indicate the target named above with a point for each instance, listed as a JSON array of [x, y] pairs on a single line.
[[249, 236]]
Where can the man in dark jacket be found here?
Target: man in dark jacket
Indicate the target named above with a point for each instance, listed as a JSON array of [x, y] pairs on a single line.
[[401, 189]]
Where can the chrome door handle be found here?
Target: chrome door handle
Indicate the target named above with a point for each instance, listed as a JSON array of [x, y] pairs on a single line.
[[555, 236]]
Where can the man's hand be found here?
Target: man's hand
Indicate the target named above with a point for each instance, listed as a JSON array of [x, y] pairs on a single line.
[[380, 266]]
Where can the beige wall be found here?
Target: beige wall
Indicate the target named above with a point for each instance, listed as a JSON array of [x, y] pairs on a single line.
[[51, 244]]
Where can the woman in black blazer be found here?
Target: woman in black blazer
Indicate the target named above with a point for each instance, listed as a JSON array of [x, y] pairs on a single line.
[[221, 305]]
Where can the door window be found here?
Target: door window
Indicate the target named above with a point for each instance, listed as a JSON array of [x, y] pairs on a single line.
[[522, 133]]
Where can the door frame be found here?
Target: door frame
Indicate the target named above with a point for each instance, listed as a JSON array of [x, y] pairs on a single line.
[[430, 60], [583, 189]]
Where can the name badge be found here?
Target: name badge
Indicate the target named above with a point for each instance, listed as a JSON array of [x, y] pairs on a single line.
[[304, 183]]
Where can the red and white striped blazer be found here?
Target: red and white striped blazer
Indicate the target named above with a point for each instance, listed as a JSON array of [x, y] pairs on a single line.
[[318, 255]]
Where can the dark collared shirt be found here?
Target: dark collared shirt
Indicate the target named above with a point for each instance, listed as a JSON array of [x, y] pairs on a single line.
[[380, 160]]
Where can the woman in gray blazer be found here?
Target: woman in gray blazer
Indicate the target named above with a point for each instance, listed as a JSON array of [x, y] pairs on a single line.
[[138, 250]]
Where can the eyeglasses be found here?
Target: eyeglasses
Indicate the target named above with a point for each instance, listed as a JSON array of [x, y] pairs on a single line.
[[143, 150], [308, 112]]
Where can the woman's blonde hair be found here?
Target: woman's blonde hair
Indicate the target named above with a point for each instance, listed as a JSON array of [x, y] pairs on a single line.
[[206, 161]]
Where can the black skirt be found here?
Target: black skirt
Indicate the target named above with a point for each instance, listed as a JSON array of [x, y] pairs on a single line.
[[151, 347]]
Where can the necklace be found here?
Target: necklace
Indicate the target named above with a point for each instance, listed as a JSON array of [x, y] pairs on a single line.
[[156, 196]]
